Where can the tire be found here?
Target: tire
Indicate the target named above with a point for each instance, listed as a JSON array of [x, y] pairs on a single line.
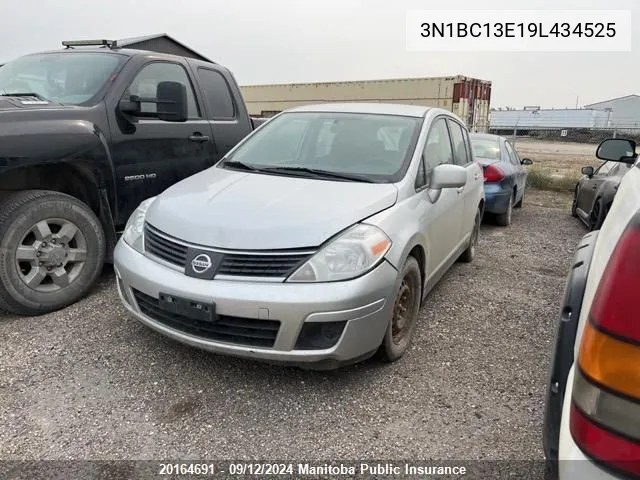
[[408, 298], [470, 253], [521, 201], [52, 249], [574, 204], [597, 216], [504, 219]]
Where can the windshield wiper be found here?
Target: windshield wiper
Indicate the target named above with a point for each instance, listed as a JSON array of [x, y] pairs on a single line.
[[320, 173], [241, 166]]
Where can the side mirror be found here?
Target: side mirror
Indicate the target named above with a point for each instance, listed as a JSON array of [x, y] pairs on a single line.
[[172, 102], [617, 150], [526, 161], [448, 176], [588, 171]]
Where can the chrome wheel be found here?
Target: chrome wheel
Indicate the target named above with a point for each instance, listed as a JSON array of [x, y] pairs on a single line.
[[51, 255]]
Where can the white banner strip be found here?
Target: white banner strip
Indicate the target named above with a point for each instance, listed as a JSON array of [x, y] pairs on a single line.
[[519, 31]]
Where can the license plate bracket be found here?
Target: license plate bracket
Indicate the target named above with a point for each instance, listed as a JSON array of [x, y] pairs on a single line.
[[193, 309]]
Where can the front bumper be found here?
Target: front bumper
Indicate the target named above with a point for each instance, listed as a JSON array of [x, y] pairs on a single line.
[[365, 304]]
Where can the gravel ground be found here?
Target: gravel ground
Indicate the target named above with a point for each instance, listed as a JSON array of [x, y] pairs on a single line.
[[89, 382]]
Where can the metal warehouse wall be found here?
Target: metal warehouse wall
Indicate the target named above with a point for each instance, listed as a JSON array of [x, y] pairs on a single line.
[[625, 111], [550, 119], [468, 98]]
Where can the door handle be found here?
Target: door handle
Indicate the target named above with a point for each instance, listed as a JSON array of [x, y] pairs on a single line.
[[197, 137], [460, 190]]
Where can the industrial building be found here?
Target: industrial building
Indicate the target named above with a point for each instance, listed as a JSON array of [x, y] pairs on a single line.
[[625, 111], [468, 98]]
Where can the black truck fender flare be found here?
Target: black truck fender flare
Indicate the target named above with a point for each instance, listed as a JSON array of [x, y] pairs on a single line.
[[562, 356]]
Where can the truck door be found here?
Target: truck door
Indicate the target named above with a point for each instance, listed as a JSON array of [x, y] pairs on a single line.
[[150, 155], [229, 119]]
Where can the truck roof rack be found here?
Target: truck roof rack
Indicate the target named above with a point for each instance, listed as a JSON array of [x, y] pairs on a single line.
[[90, 43]]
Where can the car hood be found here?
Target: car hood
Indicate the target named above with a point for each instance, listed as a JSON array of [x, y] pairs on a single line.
[[250, 211]]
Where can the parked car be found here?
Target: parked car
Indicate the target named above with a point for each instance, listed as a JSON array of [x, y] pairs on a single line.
[[594, 193], [313, 242], [505, 179], [592, 415], [86, 134]]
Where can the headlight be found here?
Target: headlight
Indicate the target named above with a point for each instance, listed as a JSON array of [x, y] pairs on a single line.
[[353, 253], [133, 231]]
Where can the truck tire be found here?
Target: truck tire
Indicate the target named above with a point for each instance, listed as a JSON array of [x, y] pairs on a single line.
[[52, 250]]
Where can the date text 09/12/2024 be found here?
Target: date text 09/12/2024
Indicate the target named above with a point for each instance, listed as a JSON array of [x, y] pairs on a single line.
[[517, 30], [309, 469]]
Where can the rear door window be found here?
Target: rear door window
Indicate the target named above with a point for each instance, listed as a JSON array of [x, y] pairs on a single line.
[[217, 94]]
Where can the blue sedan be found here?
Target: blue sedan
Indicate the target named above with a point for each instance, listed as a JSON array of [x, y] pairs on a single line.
[[505, 179]]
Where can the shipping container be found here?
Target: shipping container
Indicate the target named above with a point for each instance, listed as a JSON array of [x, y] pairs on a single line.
[[469, 98]]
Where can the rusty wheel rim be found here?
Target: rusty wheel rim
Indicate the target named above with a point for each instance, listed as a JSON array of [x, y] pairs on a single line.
[[404, 310]]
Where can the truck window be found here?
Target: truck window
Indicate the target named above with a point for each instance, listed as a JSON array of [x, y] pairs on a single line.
[[146, 83], [217, 94]]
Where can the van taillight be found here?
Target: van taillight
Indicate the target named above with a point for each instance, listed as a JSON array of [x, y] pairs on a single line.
[[605, 414]]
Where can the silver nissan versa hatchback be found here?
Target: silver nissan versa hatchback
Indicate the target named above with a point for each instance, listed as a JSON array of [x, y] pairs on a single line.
[[314, 241]]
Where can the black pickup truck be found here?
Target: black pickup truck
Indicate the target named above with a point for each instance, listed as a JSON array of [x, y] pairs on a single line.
[[87, 133]]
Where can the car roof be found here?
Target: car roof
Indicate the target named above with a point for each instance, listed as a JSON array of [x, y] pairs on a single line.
[[364, 107]]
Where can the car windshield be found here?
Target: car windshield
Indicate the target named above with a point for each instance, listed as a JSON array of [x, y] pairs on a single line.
[[488, 148], [375, 148], [67, 78]]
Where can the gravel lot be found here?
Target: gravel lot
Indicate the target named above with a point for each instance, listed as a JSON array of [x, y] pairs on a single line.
[[89, 382]]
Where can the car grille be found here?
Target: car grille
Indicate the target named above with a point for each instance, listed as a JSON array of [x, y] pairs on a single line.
[[235, 330], [267, 264], [159, 245]]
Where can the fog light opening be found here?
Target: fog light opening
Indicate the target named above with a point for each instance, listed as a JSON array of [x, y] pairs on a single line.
[[319, 335]]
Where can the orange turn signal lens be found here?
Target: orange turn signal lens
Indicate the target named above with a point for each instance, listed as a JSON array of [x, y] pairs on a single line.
[[380, 247], [610, 362]]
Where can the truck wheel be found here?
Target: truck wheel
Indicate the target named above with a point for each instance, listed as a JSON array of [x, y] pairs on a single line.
[[404, 316], [52, 249]]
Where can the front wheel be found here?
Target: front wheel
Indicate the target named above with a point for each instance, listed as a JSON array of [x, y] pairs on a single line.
[[404, 316], [574, 204], [521, 201], [52, 249], [597, 215]]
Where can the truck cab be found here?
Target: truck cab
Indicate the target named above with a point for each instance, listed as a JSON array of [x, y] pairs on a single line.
[[86, 133]]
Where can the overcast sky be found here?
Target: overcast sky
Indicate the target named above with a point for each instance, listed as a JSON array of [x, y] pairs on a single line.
[[281, 41]]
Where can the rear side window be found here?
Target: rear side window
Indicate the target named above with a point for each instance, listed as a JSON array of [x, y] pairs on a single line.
[[217, 94], [513, 157]]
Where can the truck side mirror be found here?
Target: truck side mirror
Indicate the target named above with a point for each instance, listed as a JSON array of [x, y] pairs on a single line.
[[172, 102]]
